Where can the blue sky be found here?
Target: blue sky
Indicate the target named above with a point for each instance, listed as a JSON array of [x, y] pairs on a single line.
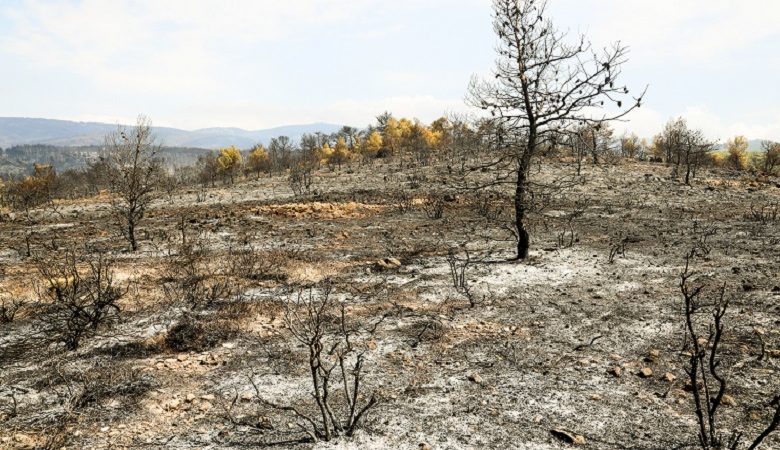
[[263, 63]]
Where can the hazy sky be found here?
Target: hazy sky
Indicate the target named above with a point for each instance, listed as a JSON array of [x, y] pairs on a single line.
[[261, 63]]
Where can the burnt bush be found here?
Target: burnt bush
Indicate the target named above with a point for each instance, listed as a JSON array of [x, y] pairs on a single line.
[[301, 179], [105, 381], [433, 205], [8, 310], [337, 350], [195, 276], [190, 334], [709, 375], [79, 297]]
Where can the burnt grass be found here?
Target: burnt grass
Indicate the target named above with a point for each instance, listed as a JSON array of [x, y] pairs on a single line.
[[536, 352]]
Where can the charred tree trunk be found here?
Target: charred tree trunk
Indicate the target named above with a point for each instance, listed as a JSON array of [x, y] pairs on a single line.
[[521, 191], [523, 238], [594, 148], [131, 235]]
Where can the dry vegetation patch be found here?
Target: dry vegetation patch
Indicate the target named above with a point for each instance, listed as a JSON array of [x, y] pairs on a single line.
[[320, 210]]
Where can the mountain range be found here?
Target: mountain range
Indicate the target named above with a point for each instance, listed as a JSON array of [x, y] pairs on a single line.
[[21, 130]]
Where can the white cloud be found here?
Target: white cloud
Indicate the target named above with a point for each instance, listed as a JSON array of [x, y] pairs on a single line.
[[647, 122], [165, 47], [683, 32], [717, 128]]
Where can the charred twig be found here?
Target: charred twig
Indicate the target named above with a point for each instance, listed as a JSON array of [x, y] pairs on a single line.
[[704, 372], [590, 344]]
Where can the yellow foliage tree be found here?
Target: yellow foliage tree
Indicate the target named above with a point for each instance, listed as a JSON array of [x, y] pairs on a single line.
[[440, 125], [405, 126], [419, 141], [258, 160], [229, 162], [357, 146], [656, 149], [341, 153], [719, 159], [391, 138], [324, 153], [432, 138], [372, 144], [737, 149], [439, 129], [629, 145]]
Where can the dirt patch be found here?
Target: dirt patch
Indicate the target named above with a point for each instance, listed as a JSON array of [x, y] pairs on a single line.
[[320, 210]]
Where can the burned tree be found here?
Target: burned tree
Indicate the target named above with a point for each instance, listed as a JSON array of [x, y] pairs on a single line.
[[771, 156], [543, 88], [668, 144], [695, 149], [631, 146], [134, 172]]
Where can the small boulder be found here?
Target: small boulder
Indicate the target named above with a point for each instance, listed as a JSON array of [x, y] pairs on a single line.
[[475, 378], [388, 263], [173, 404], [646, 372], [728, 400]]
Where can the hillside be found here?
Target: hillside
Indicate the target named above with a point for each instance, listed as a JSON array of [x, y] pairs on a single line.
[[19, 160], [577, 338], [21, 131]]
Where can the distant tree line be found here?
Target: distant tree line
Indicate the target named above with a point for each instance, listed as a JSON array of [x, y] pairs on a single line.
[[459, 146], [73, 172], [19, 160]]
